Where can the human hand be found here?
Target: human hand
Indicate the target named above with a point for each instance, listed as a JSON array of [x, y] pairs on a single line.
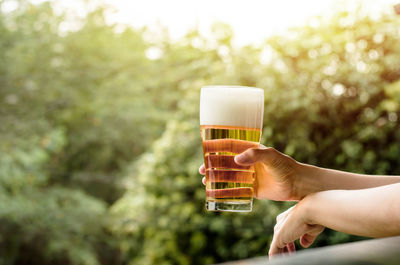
[[276, 174], [292, 225]]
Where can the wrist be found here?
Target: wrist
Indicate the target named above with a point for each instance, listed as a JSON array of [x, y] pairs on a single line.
[[307, 207], [306, 180]]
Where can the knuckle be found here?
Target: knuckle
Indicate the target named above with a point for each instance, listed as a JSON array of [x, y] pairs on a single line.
[[279, 217], [271, 150], [270, 154], [279, 241], [253, 152], [259, 153]]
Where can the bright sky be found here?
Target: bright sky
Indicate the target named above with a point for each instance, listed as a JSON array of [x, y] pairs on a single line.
[[252, 20]]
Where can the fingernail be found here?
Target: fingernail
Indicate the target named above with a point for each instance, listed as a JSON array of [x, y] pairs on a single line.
[[240, 158]]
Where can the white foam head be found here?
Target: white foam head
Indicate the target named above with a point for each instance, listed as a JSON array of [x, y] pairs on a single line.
[[232, 106]]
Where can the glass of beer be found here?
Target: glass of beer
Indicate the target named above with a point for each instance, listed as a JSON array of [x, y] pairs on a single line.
[[231, 119]]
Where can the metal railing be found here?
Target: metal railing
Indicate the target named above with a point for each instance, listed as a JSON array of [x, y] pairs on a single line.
[[384, 251]]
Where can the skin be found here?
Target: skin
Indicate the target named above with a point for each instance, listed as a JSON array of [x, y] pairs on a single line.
[[281, 178], [274, 173], [348, 211], [328, 199]]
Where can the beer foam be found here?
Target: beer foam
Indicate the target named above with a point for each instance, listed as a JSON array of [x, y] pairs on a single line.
[[232, 106]]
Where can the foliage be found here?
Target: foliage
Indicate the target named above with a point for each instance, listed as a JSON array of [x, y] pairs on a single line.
[[100, 141], [164, 210], [326, 91]]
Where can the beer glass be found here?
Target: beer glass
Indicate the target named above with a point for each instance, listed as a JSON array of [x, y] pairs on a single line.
[[231, 119]]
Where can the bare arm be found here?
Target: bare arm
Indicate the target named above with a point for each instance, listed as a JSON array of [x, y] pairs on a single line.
[[373, 212], [313, 179], [279, 177]]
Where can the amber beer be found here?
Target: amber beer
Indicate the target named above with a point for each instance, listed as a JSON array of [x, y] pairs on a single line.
[[230, 123]]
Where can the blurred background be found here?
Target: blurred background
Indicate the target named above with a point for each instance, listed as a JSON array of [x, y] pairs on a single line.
[[99, 130]]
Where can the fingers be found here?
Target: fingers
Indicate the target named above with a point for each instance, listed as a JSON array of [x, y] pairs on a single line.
[[276, 246], [280, 217], [202, 170], [253, 155], [273, 249], [307, 239], [279, 247], [291, 247], [290, 227]]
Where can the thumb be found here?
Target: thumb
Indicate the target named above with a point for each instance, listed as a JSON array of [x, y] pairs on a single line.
[[253, 155]]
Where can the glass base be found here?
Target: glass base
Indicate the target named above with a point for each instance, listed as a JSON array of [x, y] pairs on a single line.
[[227, 206]]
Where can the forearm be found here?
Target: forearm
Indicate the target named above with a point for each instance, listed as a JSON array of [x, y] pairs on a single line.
[[313, 179], [373, 212]]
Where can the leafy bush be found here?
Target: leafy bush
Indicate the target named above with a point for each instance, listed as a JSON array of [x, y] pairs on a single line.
[[330, 100], [100, 144]]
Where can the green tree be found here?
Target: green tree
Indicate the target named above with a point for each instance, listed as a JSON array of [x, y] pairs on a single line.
[[331, 99], [80, 111]]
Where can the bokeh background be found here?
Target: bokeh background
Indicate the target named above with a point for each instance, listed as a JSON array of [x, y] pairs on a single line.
[[99, 129]]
